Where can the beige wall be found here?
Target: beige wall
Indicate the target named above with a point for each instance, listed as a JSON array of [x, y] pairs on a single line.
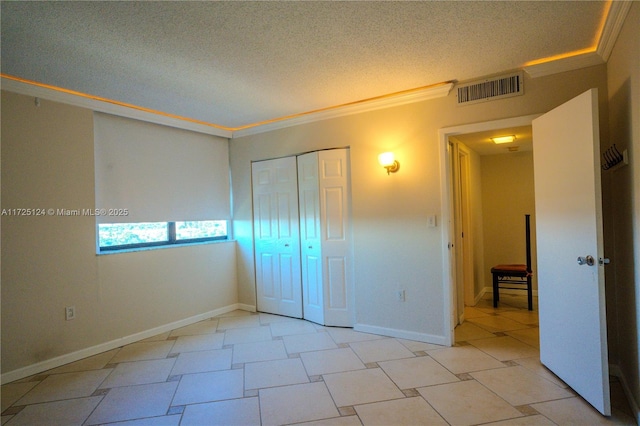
[[49, 262], [622, 203], [392, 243], [507, 195]]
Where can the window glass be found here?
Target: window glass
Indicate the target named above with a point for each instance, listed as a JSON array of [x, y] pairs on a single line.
[[201, 229], [123, 234]]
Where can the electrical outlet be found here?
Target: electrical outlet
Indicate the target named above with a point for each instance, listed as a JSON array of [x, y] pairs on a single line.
[[400, 295], [70, 313]]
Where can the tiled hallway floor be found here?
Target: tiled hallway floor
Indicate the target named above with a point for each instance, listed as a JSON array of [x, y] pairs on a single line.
[[260, 369]]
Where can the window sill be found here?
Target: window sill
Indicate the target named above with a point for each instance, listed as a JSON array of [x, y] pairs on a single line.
[[166, 246]]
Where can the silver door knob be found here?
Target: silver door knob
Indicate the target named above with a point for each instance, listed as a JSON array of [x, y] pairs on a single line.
[[587, 260]]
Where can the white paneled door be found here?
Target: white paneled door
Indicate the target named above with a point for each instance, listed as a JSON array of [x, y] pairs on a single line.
[[277, 237], [573, 331], [310, 238], [320, 244], [333, 179]]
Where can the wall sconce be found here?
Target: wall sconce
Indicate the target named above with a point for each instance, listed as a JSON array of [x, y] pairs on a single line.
[[504, 139], [387, 160]]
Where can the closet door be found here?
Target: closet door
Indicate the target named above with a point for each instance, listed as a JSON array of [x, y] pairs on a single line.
[[334, 191], [277, 237], [310, 238]]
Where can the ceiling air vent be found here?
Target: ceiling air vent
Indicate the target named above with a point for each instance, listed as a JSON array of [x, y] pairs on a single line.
[[504, 86]]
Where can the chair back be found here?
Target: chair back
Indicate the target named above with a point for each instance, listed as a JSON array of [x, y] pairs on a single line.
[[527, 221]]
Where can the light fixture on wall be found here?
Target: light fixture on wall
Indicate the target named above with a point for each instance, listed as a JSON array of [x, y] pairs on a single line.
[[387, 160], [504, 139]]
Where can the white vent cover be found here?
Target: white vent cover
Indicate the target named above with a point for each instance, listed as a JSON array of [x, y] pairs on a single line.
[[500, 87]]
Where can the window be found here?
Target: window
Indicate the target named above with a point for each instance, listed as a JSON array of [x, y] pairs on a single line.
[[137, 164], [121, 236], [201, 230]]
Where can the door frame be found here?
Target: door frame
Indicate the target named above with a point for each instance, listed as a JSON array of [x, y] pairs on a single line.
[[461, 224], [448, 234]]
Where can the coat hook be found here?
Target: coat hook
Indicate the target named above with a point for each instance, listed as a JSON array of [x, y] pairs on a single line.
[[613, 157]]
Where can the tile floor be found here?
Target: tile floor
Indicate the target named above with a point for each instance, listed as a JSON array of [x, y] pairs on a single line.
[[260, 369]]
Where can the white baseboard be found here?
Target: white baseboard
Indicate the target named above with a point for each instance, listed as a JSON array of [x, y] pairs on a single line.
[[113, 344], [489, 290], [402, 334], [615, 370], [481, 295], [248, 308]]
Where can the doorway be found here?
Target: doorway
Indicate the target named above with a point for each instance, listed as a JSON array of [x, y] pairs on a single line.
[[569, 223], [464, 210]]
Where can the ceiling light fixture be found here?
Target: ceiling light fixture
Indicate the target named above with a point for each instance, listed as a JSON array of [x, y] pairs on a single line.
[[504, 139]]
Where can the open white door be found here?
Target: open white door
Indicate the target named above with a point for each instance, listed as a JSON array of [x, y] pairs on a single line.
[[573, 331], [277, 237]]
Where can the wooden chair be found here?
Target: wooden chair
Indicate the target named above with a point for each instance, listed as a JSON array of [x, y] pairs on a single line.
[[515, 276]]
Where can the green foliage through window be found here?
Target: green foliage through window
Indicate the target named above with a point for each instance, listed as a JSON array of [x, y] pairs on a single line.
[[118, 236]]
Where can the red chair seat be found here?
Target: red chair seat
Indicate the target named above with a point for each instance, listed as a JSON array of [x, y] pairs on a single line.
[[513, 270]]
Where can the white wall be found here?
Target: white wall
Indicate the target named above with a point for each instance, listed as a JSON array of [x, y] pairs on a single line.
[[49, 262], [392, 243]]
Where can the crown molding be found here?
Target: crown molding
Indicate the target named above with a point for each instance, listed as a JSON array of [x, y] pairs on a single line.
[[77, 99], [403, 98], [616, 15], [86, 101], [612, 27], [570, 63]]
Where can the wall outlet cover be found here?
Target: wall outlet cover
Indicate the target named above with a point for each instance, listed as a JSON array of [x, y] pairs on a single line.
[[70, 313]]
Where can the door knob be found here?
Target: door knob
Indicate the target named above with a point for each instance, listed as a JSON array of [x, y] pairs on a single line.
[[587, 260]]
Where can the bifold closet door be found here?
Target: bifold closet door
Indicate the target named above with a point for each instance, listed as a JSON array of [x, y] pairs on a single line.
[[277, 237], [310, 238], [335, 222], [323, 185]]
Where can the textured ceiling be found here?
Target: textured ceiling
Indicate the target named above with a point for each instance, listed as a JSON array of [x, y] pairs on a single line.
[[237, 63]]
